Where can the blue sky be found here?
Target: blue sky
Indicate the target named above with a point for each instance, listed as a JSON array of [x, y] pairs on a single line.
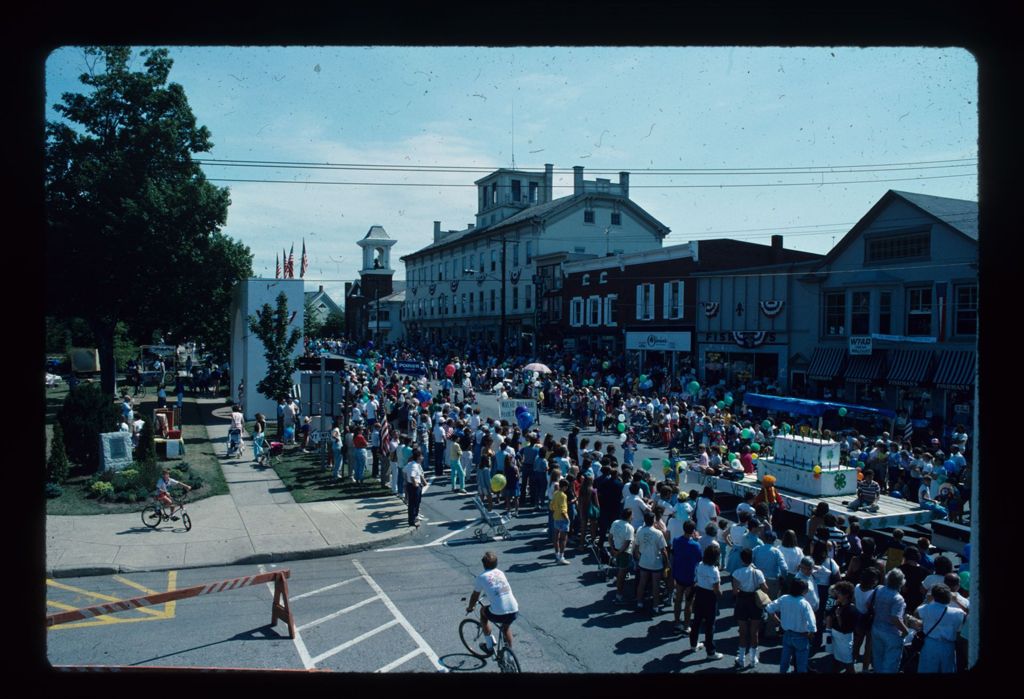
[[605, 108]]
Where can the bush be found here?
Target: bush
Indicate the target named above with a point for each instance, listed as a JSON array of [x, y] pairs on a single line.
[[53, 490], [102, 489], [86, 413], [57, 466], [145, 453], [142, 493]]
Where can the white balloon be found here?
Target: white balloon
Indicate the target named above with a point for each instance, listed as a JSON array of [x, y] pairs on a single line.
[[622, 417]]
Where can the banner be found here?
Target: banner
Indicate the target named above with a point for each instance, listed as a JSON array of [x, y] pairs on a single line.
[[413, 368], [860, 345], [659, 341], [507, 408]]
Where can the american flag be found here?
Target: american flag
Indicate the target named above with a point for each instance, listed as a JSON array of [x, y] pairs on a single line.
[[277, 267], [305, 260], [291, 263], [908, 430], [284, 265], [385, 436]]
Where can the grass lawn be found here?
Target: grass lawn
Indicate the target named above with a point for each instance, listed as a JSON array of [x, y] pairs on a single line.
[[199, 455], [307, 481]]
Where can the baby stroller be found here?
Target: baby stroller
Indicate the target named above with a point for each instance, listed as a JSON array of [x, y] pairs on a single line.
[[235, 447], [267, 450]]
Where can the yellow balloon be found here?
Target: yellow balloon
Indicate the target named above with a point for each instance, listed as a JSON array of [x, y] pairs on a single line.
[[753, 456], [817, 470]]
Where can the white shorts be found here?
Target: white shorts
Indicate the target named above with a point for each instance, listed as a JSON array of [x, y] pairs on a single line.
[[842, 647]]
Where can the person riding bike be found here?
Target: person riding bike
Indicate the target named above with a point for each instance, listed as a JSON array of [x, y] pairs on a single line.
[[162, 487], [500, 605]]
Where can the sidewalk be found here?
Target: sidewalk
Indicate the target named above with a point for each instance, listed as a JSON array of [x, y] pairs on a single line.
[[258, 522]]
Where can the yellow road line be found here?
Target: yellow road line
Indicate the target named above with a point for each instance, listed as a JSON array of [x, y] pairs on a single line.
[[106, 621], [131, 583], [172, 581]]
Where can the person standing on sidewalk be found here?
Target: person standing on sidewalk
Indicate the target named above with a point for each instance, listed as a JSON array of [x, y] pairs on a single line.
[[359, 445], [796, 615], [414, 484]]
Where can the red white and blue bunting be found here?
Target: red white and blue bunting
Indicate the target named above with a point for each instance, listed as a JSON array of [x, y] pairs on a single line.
[[514, 277], [711, 308], [455, 285], [771, 308], [749, 339], [432, 288]]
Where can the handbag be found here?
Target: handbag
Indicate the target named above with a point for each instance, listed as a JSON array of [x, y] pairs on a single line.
[[761, 599]]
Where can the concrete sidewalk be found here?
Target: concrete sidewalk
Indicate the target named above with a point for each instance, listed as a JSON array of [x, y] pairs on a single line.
[[258, 522]]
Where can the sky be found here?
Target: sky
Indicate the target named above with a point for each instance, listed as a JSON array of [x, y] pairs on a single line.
[[742, 142]]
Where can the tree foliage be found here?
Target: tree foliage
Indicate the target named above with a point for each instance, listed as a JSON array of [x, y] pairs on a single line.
[[87, 411], [57, 465], [334, 325], [271, 327], [311, 323], [130, 211]]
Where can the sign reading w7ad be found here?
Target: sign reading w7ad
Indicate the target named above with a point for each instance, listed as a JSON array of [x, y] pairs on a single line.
[[507, 409], [860, 345]]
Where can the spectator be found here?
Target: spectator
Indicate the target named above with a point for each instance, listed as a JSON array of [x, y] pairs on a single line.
[[705, 603], [796, 616], [747, 581], [888, 629], [841, 622], [941, 622], [686, 555]]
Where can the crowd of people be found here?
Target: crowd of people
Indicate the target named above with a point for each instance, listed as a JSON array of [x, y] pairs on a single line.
[[862, 594]]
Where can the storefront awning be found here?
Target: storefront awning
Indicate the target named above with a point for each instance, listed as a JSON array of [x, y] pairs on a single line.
[[956, 370], [804, 406], [910, 367], [826, 363], [864, 368]]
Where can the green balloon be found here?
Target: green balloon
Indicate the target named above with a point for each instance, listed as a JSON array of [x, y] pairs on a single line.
[[721, 405], [666, 463], [767, 424], [746, 433], [647, 464], [694, 387], [622, 427], [728, 399], [842, 412], [732, 456], [643, 377], [754, 446]]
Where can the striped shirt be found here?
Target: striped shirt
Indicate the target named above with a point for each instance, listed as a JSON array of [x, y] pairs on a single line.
[[868, 492]]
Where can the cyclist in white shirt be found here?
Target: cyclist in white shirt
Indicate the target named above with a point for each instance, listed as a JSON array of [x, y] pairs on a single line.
[[500, 605]]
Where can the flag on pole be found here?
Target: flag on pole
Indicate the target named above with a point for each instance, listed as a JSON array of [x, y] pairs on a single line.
[[277, 267], [385, 437], [284, 265], [304, 265], [291, 263]]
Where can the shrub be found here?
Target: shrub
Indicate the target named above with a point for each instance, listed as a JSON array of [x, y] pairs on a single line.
[[102, 489], [145, 453], [53, 490], [57, 466], [142, 493], [86, 413]]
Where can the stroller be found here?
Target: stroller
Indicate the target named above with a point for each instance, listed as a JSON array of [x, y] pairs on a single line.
[[235, 446], [266, 451]]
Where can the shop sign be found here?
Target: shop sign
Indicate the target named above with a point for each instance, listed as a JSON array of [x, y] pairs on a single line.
[[860, 345], [668, 341], [962, 408]]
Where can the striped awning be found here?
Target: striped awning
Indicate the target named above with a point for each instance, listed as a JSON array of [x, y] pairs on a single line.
[[909, 367], [956, 370], [864, 368], [826, 363]]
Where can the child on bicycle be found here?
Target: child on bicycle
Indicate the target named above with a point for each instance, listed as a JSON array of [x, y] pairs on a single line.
[[163, 485], [500, 605]]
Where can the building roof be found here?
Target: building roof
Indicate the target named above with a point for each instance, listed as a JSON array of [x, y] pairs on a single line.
[[541, 212], [321, 296], [376, 233]]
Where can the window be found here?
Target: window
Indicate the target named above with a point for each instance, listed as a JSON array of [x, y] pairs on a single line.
[[603, 278], [919, 311], [529, 251], [494, 259], [481, 296], [610, 309], [515, 298], [464, 302], [645, 302], [516, 190], [835, 313], [494, 196], [384, 314], [586, 280], [556, 309], [966, 312], [533, 192], [440, 271], [898, 247], [860, 313], [471, 310], [528, 297], [672, 302], [594, 311], [576, 312], [493, 305], [588, 217], [483, 204], [515, 254], [885, 312], [616, 218], [432, 306], [448, 269]]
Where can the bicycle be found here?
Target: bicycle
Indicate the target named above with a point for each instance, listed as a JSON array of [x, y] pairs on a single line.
[[155, 513], [471, 632]]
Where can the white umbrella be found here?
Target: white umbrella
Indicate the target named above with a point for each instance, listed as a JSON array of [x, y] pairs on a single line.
[[538, 367]]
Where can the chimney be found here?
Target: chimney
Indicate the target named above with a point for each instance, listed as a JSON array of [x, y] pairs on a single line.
[[549, 179], [321, 289], [437, 231], [777, 252], [577, 179], [470, 226], [777, 242], [624, 184]]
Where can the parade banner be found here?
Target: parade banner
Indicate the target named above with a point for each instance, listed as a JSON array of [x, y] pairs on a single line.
[[412, 368], [507, 408]]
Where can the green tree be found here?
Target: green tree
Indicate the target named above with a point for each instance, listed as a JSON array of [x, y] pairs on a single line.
[[334, 326], [145, 456], [271, 327], [57, 466], [311, 323], [130, 210], [87, 411]]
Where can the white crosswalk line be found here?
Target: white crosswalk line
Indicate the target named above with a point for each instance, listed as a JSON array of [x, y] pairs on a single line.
[[335, 615], [401, 661], [323, 589], [358, 639], [436, 542]]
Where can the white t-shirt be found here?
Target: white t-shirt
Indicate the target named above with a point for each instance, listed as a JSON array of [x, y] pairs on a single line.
[[636, 505], [706, 511], [413, 473], [945, 629], [651, 542], [748, 578], [792, 557], [745, 507], [707, 576], [621, 532], [496, 591]]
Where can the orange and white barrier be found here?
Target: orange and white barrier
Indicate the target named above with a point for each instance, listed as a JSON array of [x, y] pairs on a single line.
[[280, 609]]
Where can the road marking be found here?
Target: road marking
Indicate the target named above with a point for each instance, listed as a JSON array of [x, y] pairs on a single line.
[[401, 619], [358, 639], [401, 661], [300, 646], [436, 542], [137, 586], [323, 589], [338, 613]]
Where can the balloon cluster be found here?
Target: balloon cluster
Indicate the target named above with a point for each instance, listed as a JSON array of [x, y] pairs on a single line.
[[524, 417]]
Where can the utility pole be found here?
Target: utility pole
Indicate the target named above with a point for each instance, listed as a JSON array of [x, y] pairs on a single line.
[[501, 337]]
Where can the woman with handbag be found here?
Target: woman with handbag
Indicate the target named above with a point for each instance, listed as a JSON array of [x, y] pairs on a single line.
[[747, 582], [841, 623], [937, 624]]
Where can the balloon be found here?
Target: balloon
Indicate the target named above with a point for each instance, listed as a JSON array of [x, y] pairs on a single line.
[[754, 446], [746, 433], [736, 464], [622, 417], [606, 364], [728, 399], [733, 456], [520, 410], [860, 476], [786, 428], [694, 387], [289, 433], [647, 385], [666, 463], [525, 419], [842, 412], [359, 353], [754, 456], [497, 483], [622, 427], [643, 378], [646, 464], [667, 470], [622, 438], [680, 465], [721, 405], [449, 370], [817, 476], [817, 470], [767, 424], [896, 494], [860, 464]]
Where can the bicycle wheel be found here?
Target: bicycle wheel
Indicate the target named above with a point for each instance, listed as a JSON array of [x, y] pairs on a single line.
[[472, 635], [186, 520], [507, 661], [151, 516]]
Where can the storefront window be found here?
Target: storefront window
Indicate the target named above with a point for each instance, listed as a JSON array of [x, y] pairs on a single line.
[[714, 367]]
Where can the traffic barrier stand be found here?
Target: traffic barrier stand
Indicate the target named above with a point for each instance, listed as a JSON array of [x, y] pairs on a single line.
[[280, 609]]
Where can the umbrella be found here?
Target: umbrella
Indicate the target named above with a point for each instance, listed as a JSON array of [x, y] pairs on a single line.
[[538, 367]]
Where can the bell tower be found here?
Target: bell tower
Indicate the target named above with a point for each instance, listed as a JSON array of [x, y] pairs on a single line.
[[375, 281]]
